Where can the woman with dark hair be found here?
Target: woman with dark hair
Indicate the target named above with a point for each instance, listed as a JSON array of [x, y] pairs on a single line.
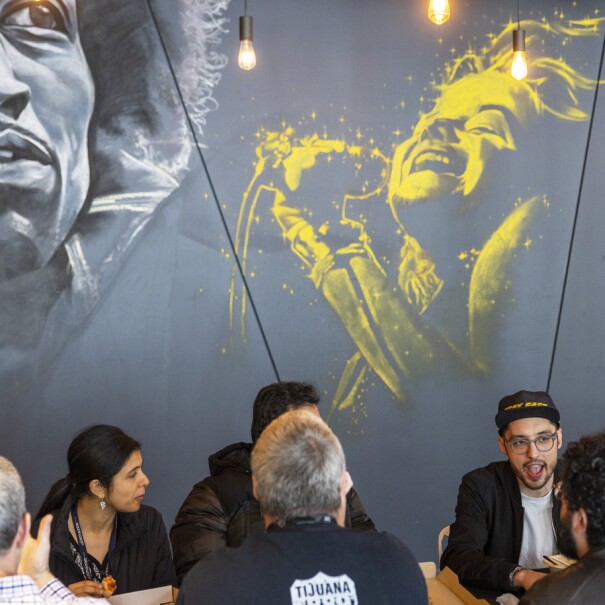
[[101, 528]]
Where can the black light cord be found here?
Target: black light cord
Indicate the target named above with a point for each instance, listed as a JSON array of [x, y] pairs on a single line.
[[214, 193], [575, 219]]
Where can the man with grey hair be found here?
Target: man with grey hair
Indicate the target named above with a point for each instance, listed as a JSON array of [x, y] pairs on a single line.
[[24, 574], [306, 555]]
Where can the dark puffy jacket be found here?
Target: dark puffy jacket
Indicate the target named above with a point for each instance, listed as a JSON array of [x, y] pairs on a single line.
[[580, 584], [221, 510], [485, 540], [140, 560]]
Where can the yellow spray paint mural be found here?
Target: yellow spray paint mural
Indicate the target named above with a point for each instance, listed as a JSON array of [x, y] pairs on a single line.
[[436, 306]]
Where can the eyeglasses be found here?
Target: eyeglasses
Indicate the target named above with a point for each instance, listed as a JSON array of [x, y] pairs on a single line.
[[544, 443]]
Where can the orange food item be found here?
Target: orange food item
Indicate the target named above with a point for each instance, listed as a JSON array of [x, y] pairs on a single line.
[[109, 586]]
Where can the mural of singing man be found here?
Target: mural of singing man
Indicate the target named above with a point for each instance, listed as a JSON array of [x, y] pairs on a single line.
[[470, 223], [92, 140]]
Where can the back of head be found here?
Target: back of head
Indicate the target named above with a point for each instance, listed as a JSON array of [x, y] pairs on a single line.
[[12, 503], [276, 399], [97, 452], [583, 483], [297, 465]]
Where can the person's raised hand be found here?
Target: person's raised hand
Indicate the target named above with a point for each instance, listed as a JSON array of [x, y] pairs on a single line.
[[34, 554]]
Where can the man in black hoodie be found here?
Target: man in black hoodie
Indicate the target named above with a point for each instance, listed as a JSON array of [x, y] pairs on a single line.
[[221, 510]]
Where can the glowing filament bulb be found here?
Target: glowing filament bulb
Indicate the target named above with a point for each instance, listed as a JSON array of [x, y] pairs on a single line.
[[439, 11], [247, 57], [518, 69]]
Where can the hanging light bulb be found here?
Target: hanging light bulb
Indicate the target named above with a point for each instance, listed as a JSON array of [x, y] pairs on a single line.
[[518, 69], [247, 57], [439, 11]]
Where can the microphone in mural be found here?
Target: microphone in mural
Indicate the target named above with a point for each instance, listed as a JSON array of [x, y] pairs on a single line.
[[92, 140], [465, 222]]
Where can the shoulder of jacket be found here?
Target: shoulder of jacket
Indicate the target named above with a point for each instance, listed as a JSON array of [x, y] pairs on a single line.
[[232, 489], [148, 512], [145, 518], [558, 587], [496, 479]]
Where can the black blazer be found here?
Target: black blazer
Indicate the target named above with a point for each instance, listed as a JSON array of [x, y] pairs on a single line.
[[485, 540]]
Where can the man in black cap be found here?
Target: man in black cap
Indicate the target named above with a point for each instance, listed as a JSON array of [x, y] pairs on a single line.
[[506, 515]]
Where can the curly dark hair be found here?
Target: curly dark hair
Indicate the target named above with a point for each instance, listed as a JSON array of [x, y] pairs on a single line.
[[584, 483], [277, 399]]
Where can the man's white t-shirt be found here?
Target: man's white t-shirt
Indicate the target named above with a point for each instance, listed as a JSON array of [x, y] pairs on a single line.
[[538, 531]]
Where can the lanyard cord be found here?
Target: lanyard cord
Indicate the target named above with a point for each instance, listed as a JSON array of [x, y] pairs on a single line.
[[88, 575]]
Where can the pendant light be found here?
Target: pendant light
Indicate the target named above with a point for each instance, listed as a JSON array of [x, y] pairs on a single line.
[[246, 58], [439, 11], [518, 69]]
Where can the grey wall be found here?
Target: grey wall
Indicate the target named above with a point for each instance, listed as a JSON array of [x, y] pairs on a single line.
[[163, 350]]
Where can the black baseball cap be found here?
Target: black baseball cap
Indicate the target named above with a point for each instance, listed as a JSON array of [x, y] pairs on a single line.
[[526, 404]]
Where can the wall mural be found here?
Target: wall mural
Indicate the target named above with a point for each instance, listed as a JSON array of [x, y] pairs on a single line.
[[402, 216], [93, 140], [423, 258]]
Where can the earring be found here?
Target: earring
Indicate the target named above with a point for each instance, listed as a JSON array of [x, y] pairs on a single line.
[[102, 503]]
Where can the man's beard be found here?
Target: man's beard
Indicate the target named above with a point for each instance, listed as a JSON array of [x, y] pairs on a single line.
[[565, 541]]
